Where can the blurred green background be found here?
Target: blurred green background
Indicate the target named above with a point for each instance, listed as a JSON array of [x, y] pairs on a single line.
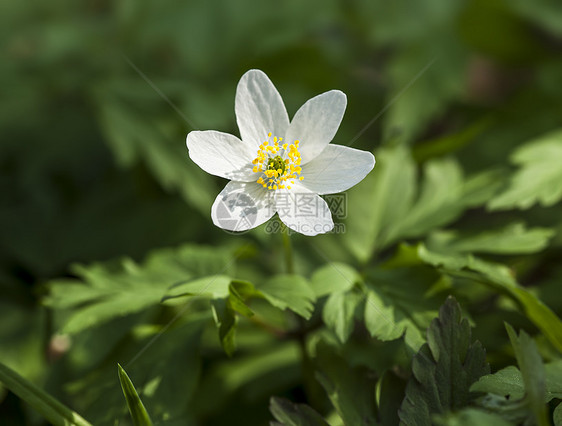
[[98, 96]]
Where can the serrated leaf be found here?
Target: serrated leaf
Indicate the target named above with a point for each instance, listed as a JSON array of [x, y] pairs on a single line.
[[553, 373], [532, 371], [226, 299], [289, 292], [111, 290], [116, 305], [508, 382], [539, 178], [339, 312], [290, 414], [495, 275], [50, 408], [512, 239], [397, 304], [444, 368], [139, 415]]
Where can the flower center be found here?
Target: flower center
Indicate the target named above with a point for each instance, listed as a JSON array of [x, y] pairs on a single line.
[[278, 164]]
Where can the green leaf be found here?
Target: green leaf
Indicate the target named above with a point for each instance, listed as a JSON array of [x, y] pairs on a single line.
[[136, 408], [557, 417], [389, 396], [541, 315], [442, 197], [238, 292], [381, 199], [439, 200], [226, 321], [115, 289], [51, 409], [290, 414], [165, 361], [539, 178], [350, 389], [444, 368], [339, 312], [227, 297], [334, 277], [289, 291], [553, 372], [512, 239], [213, 286], [470, 417], [393, 206], [495, 275], [532, 371], [398, 304], [508, 382]]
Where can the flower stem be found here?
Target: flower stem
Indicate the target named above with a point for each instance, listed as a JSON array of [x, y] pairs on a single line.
[[311, 387], [288, 247]]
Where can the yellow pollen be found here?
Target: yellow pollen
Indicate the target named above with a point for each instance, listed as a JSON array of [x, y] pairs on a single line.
[[277, 164]]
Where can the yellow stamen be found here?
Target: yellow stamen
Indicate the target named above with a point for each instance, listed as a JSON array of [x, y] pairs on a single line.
[[276, 171]]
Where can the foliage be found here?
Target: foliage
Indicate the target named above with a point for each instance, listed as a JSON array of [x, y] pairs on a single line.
[[49, 407], [443, 369], [108, 255], [136, 408]]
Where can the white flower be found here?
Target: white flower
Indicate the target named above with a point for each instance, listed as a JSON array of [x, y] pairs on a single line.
[[279, 166]]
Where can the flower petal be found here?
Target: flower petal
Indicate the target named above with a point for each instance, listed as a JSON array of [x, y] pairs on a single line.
[[259, 108], [303, 211], [221, 154], [242, 206], [337, 169], [316, 123]]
